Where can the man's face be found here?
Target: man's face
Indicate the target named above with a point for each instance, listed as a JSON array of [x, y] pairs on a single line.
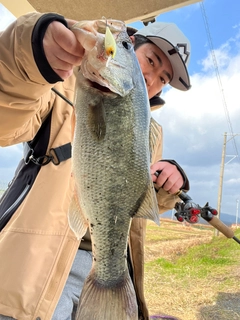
[[156, 68]]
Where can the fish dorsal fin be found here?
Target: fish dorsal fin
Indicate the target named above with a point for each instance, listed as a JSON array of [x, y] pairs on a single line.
[[149, 206]]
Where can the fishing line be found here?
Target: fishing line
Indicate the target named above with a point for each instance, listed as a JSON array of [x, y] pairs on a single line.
[[63, 97]]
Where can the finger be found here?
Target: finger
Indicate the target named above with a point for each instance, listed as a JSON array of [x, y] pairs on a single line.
[[162, 178], [61, 67], [169, 183], [173, 187], [71, 22], [66, 59], [70, 46], [85, 38], [158, 166], [154, 177], [66, 39], [61, 61], [60, 42]]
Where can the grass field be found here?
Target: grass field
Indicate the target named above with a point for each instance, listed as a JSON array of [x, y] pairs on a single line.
[[190, 273]]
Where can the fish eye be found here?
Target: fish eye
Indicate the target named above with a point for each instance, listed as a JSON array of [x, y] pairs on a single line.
[[126, 45]]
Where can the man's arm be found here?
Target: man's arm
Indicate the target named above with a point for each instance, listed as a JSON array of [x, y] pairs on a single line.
[[25, 90]]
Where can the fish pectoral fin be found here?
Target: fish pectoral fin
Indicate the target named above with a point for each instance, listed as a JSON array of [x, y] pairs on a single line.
[[96, 120], [149, 206], [76, 218]]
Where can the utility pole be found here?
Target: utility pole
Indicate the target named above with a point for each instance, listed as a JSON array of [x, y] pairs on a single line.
[[221, 179], [237, 214], [222, 172]]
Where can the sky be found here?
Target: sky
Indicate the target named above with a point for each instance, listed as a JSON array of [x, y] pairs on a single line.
[[194, 122]]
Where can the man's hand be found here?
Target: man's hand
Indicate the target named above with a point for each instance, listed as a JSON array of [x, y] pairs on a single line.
[[170, 179], [62, 49]]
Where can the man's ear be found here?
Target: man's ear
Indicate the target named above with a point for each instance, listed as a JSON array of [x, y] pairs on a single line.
[[133, 39]]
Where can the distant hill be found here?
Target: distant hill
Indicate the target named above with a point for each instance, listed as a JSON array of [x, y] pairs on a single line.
[[227, 219]]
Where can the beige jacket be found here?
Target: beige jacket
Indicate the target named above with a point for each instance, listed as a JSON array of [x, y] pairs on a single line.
[[37, 247]]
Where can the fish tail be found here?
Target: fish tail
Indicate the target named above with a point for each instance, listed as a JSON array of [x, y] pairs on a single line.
[[101, 302]]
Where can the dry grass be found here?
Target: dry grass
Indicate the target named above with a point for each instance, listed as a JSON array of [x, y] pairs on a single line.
[[173, 239], [211, 294]]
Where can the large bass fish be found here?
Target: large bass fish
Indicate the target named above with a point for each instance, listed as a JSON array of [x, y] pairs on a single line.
[[111, 165]]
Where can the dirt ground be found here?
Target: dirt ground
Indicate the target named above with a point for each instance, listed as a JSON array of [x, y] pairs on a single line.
[[204, 299]]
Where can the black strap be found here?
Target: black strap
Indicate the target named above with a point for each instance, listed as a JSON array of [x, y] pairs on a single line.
[[33, 151], [25, 174], [61, 153], [34, 158]]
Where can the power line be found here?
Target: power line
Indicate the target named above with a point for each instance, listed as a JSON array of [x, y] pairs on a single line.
[[218, 76]]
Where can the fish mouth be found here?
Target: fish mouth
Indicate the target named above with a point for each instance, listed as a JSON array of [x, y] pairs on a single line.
[[98, 81], [99, 87], [105, 90]]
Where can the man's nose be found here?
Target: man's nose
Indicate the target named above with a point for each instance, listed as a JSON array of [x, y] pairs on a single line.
[[149, 78]]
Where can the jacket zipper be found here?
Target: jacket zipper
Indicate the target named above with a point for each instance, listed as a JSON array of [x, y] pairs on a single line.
[[16, 202]]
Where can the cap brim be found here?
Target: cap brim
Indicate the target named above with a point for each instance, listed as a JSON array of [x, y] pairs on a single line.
[[180, 78]]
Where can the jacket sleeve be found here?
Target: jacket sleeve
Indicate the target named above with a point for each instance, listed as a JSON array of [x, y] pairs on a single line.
[[165, 201], [25, 95]]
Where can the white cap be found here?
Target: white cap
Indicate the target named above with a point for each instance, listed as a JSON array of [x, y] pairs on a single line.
[[170, 39]]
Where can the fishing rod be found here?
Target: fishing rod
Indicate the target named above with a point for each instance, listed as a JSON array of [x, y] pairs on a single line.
[[191, 212]]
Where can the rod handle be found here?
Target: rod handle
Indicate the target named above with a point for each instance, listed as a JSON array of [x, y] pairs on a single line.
[[220, 226]]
